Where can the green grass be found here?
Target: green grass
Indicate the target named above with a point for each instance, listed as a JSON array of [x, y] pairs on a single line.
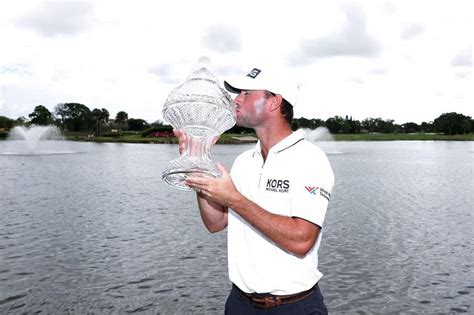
[[134, 138], [401, 136]]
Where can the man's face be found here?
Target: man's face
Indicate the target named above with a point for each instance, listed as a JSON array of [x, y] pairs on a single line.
[[250, 108]]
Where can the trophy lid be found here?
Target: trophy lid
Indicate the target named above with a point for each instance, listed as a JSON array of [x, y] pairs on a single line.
[[200, 100]]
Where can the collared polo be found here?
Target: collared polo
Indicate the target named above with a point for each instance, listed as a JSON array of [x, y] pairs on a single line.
[[296, 181]]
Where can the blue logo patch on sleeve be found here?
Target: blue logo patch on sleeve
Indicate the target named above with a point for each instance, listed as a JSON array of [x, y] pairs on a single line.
[[322, 192]]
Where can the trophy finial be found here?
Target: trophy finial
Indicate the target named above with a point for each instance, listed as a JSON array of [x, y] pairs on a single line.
[[204, 61]]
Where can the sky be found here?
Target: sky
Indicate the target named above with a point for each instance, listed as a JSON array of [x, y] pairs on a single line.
[[409, 61]]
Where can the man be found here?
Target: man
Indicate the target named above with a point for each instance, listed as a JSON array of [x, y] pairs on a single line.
[[273, 202]]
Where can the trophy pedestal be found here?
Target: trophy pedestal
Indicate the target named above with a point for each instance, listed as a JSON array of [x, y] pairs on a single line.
[[194, 161]]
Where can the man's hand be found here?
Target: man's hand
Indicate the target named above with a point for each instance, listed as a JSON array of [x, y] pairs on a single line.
[[181, 135], [219, 190], [183, 139]]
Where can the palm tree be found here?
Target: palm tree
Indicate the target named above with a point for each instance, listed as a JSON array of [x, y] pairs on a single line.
[[121, 120], [97, 113], [101, 116]]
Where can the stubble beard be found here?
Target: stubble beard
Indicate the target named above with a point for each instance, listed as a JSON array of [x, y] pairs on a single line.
[[251, 120]]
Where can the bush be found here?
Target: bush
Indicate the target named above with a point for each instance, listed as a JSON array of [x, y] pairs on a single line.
[[158, 131], [240, 130]]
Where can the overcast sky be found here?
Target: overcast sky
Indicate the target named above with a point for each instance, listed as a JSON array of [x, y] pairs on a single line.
[[401, 60]]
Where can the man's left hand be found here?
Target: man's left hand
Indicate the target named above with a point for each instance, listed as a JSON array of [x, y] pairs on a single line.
[[220, 190]]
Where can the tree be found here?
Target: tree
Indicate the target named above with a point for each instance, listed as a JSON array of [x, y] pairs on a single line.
[[121, 120], [60, 112], [452, 123], [354, 125], [21, 121], [137, 124], [6, 123], [75, 116], [426, 126], [302, 122], [335, 124], [379, 125], [306, 123], [101, 116], [410, 127], [41, 116]]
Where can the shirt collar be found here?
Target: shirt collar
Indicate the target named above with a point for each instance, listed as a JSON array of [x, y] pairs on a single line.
[[284, 144]]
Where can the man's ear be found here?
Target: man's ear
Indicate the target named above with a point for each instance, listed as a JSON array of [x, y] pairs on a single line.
[[276, 102]]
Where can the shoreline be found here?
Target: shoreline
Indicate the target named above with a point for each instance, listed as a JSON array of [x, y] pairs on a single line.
[[239, 139], [245, 139]]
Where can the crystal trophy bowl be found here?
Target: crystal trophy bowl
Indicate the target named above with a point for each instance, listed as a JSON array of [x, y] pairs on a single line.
[[203, 110]]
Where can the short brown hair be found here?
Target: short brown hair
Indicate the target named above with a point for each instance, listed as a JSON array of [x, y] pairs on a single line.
[[286, 109]]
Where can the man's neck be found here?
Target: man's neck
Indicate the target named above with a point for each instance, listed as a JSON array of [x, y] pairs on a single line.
[[270, 136]]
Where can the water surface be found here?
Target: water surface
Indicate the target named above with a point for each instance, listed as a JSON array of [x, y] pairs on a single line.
[[96, 231]]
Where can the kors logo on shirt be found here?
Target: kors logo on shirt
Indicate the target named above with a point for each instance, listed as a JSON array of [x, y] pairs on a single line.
[[318, 191], [278, 185]]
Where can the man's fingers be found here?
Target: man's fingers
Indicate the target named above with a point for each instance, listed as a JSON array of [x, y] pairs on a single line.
[[177, 132], [214, 140], [181, 135], [196, 182], [222, 168]]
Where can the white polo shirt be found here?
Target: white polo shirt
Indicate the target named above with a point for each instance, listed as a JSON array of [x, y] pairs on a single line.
[[296, 181]]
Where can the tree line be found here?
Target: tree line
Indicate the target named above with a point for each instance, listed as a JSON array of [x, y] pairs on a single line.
[[447, 123], [76, 117]]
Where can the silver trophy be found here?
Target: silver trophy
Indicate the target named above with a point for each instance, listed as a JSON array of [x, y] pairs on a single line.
[[203, 110]]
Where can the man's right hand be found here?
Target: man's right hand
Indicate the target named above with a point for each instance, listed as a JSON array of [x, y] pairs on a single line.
[[181, 135], [182, 138]]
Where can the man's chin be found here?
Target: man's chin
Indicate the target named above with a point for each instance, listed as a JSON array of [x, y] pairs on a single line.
[[241, 124]]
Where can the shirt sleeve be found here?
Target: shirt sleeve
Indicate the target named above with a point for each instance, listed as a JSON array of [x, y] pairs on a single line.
[[311, 191]]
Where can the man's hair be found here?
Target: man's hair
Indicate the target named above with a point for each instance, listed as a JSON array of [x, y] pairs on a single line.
[[285, 108]]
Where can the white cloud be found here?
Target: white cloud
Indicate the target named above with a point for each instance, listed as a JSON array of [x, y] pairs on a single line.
[[55, 18], [411, 30], [2, 101], [165, 73], [222, 38], [463, 58], [352, 40], [359, 58]]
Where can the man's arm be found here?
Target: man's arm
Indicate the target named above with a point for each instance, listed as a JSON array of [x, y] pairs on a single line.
[[294, 235], [213, 214]]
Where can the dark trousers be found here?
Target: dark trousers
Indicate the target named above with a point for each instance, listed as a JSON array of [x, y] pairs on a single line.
[[313, 304]]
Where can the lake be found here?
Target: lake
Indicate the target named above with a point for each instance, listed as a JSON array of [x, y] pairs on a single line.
[[91, 228]]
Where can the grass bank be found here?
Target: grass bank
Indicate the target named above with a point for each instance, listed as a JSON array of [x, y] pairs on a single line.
[[132, 138], [238, 138], [402, 136]]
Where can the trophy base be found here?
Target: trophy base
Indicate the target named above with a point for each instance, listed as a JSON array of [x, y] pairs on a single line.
[[180, 169]]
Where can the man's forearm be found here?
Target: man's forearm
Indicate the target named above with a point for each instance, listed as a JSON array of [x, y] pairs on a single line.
[[291, 234], [214, 215]]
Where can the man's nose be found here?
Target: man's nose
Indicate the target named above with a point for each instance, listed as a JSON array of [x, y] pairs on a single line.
[[238, 99]]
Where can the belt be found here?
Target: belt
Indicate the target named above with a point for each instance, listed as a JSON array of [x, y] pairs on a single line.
[[269, 300]]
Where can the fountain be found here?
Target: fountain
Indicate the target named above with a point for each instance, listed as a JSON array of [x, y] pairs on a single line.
[[318, 134], [34, 140], [323, 138]]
